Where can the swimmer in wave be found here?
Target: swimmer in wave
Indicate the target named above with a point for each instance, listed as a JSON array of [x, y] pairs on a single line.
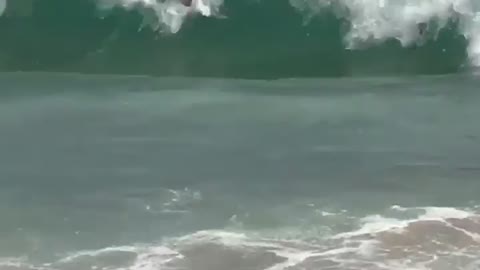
[[422, 28]]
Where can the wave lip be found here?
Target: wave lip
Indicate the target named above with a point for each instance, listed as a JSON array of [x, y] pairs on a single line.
[[169, 15], [408, 21]]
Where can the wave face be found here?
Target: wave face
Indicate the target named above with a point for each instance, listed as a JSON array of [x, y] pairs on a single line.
[[250, 39]]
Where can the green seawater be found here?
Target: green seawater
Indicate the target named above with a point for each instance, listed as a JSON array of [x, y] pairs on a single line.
[[253, 39]]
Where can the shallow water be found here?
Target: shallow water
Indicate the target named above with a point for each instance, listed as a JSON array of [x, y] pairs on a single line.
[[110, 172]]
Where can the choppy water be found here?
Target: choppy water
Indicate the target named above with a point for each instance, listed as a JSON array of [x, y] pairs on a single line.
[[140, 173]]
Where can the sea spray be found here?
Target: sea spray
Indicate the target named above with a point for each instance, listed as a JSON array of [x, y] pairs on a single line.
[[169, 15], [408, 21]]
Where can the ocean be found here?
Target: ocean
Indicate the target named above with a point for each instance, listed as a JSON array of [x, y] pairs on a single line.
[[239, 135]]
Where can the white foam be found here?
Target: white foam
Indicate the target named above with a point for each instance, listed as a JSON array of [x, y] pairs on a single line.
[[328, 214], [442, 213], [155, 258], [374, 224], [343, 250], [94, 253], [375, 21], [398, 208], [294, 257], [147, 257], [472, 32], [168, 15], [3, 6], [158, 257], [214, 236], [436, 213], [11, 261], [345, 253], [20, 263]]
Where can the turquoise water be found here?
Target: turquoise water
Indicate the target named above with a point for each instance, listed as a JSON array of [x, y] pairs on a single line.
[[109, 172]]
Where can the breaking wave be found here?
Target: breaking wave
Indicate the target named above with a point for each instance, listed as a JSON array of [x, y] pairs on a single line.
[[296, 38]]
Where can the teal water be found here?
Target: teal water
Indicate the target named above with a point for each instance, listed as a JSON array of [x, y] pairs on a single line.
[[242, 39], [125, 172], [239, 135]]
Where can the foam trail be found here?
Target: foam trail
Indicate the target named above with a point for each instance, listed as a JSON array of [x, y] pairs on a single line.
[[375, 224]]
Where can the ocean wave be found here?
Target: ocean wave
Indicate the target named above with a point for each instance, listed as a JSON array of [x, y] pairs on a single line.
[[409, 22], [296, 38], [370, 21]]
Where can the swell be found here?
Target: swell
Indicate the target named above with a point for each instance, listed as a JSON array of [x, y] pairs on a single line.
[[244, 39]]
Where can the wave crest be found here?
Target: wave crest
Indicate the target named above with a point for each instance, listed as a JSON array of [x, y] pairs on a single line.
[[408, 21], [166, 15]]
